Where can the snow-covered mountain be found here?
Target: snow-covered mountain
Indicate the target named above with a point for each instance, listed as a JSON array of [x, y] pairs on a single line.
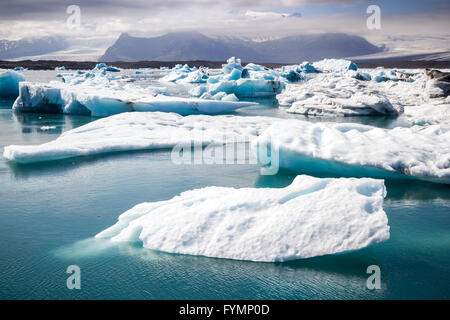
[[31, 47]]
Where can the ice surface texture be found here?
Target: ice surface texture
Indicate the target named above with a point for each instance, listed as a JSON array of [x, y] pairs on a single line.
[[311, 217], [139, 131], [361, 150], [103, 101], [9, 83]]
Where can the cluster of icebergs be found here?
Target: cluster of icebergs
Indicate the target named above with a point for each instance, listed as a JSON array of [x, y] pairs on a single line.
[[233, 82], [310, 217]]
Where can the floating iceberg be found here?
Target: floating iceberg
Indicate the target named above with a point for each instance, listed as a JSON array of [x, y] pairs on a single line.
[[430, 113], [141, 131], [9, 83], [360, 150], [334, 94], [311, 217], [253, 81], [247, 88], [102, 101], [185, 74], [335, 65], [437, 83], [357, 104]]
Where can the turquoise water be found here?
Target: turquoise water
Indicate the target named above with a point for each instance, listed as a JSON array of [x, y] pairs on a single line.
[[50, 212]]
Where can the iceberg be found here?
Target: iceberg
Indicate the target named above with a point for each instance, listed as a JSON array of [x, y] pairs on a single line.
[[437, 83], [185, 74], [101, 101], [247, 88], [349, 149], [429, 113], [9, 83], [311, 217], [357, 104], [142, 131], [334, 94], [253, 81], [335, 65]]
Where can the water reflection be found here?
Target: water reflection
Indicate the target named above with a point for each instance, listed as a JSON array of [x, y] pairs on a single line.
[[48, 123], [333, 276], [397, 189]]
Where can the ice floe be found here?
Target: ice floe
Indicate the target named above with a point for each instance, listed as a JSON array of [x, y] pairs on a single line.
[[437, 83], [59, 97], [9, 83], [185, 74], [335, 94], [359, 150], [335, 65], [139, 131], [311, 217], [428, 113], [253, 81]]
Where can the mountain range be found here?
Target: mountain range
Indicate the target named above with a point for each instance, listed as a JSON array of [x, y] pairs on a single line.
[[185, 46], [31, 46]]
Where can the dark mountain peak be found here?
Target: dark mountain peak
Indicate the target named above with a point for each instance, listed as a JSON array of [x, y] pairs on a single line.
[[193, 45]]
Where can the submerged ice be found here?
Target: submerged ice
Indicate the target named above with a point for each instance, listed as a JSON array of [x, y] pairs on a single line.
[[311, 217]]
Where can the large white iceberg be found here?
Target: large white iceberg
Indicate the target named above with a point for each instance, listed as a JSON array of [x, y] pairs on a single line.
[[338, 94], [9, 83], [311, 217], [335, 65], [139, 131], [103, 101], [360, 150], [428, 113]]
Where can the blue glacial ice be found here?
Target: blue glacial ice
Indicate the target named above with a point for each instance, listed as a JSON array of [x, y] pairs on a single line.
[[311, 217], [185, 74], [142, 131], [100, 100], [252, 81], [357, 150], [9, 83]]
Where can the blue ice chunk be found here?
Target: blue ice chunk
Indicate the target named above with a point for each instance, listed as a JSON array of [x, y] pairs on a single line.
[[9, 83]]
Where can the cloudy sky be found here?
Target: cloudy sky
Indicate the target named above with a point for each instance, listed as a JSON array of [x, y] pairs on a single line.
[[415, 25]]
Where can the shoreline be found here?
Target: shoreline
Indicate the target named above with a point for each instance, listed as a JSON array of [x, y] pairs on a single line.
[[88, 65]]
